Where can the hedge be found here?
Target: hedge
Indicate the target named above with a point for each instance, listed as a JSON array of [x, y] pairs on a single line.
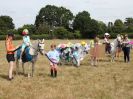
[[69, 36], [19, 37], [44, 36], [114, 35]]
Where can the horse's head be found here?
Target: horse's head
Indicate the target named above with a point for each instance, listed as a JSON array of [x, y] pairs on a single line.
[[119, 39], [41, 46]]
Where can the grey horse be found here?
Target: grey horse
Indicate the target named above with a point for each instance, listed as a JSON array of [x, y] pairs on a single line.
[[30, 57], [114, 46]]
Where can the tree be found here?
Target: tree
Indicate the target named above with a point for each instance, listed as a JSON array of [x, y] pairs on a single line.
[[54, 16], [31, 28], [77, 34], [6, 23], [102, 27], [87, 26], [93, 29], [118, 26], [82, 23], [129, 21], [61, 33], [110, 27], [129, 24], [43, 29]]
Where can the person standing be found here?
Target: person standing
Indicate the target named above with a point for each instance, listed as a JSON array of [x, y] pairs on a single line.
[[107, 43], [10, 54], [95, 51], [53, 56], [126, 48]]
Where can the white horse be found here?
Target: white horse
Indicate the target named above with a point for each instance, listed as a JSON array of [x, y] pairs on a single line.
[[114, 46], [31, 54]]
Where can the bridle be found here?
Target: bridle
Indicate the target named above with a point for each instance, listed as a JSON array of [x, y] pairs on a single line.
[[38, 48]]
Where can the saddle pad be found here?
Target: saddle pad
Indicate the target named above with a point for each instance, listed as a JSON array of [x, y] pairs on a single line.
[[26, 55]]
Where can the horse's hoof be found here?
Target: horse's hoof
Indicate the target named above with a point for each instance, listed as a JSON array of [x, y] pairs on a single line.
[[28, 75]]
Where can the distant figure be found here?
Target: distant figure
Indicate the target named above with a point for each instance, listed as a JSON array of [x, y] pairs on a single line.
[[107, 43], [126, 48], [26, 42], [10, 53], [95, 51], [53, 56]]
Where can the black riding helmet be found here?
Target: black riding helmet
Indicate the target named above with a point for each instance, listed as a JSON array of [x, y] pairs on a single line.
[[10, 34]]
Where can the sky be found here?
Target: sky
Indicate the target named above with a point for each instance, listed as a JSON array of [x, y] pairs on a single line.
[[25, 11]]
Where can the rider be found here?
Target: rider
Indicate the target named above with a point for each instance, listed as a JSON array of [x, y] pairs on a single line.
[[107, 43], [26, 42]]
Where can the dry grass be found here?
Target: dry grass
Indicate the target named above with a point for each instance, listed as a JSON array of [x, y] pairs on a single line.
[[107, 81]]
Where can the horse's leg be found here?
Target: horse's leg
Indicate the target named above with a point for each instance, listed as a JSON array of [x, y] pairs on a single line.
[[78, 62], [29, 69], [17, 66], [113, 57], [33, 68], [23, 68]]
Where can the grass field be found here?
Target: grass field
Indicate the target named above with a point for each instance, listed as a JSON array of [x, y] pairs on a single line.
[[106, 81]]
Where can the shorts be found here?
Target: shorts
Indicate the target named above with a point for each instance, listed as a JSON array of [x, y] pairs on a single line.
[[10, 57], [53, 65]]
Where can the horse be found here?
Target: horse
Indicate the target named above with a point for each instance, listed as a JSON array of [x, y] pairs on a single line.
[[114, 46], [30, 56]]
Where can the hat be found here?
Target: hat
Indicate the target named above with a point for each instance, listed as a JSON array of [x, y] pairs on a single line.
[[10, 34], [25, 32], [106, 34], [83, 42]]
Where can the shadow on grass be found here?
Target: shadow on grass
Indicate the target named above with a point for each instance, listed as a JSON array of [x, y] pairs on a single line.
[[4, 76], [22, 74]]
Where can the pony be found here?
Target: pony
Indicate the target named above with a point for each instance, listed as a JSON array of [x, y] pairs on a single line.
[[30, 55], [114, 46]]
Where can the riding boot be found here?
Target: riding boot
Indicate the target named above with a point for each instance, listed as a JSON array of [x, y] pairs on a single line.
[[95, 63], [55, 72], [52, 73]]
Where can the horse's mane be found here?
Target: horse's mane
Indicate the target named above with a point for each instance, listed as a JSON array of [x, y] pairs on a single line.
[[35, 44], [114, 43]]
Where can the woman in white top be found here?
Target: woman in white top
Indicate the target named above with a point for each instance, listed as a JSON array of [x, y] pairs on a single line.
[[107, 43]]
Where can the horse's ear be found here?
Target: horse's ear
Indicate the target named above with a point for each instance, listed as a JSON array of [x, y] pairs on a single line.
[[43, 41]]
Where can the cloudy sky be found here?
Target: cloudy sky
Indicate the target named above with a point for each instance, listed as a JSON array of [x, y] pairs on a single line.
[[25, 11]]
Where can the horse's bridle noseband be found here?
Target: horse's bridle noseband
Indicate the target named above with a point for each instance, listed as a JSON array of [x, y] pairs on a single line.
[[40, 50]]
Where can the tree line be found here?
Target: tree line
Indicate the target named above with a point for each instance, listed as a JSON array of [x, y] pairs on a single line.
[[59, 22]]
